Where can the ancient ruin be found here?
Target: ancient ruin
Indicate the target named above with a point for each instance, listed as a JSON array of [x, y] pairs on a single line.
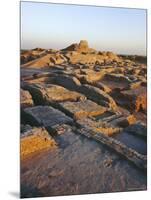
[[83, 119]]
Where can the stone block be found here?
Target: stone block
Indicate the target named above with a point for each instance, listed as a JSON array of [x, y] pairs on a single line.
[[82, 109], [46, 116]]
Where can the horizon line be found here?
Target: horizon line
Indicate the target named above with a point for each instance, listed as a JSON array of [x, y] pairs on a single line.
[[29, 49]]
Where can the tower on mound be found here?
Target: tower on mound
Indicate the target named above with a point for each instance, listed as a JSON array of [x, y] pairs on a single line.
[[81, 47]]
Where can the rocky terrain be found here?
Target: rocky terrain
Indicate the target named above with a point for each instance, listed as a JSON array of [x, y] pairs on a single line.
[[83, 121]]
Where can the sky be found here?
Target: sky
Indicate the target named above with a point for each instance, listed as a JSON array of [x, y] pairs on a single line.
[[56, 26]]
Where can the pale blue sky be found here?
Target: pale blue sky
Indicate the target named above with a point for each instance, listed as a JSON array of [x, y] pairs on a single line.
[[56, 26]]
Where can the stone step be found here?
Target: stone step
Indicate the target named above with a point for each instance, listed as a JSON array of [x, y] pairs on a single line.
[[81, 109], [50, 93], [46, 116]]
